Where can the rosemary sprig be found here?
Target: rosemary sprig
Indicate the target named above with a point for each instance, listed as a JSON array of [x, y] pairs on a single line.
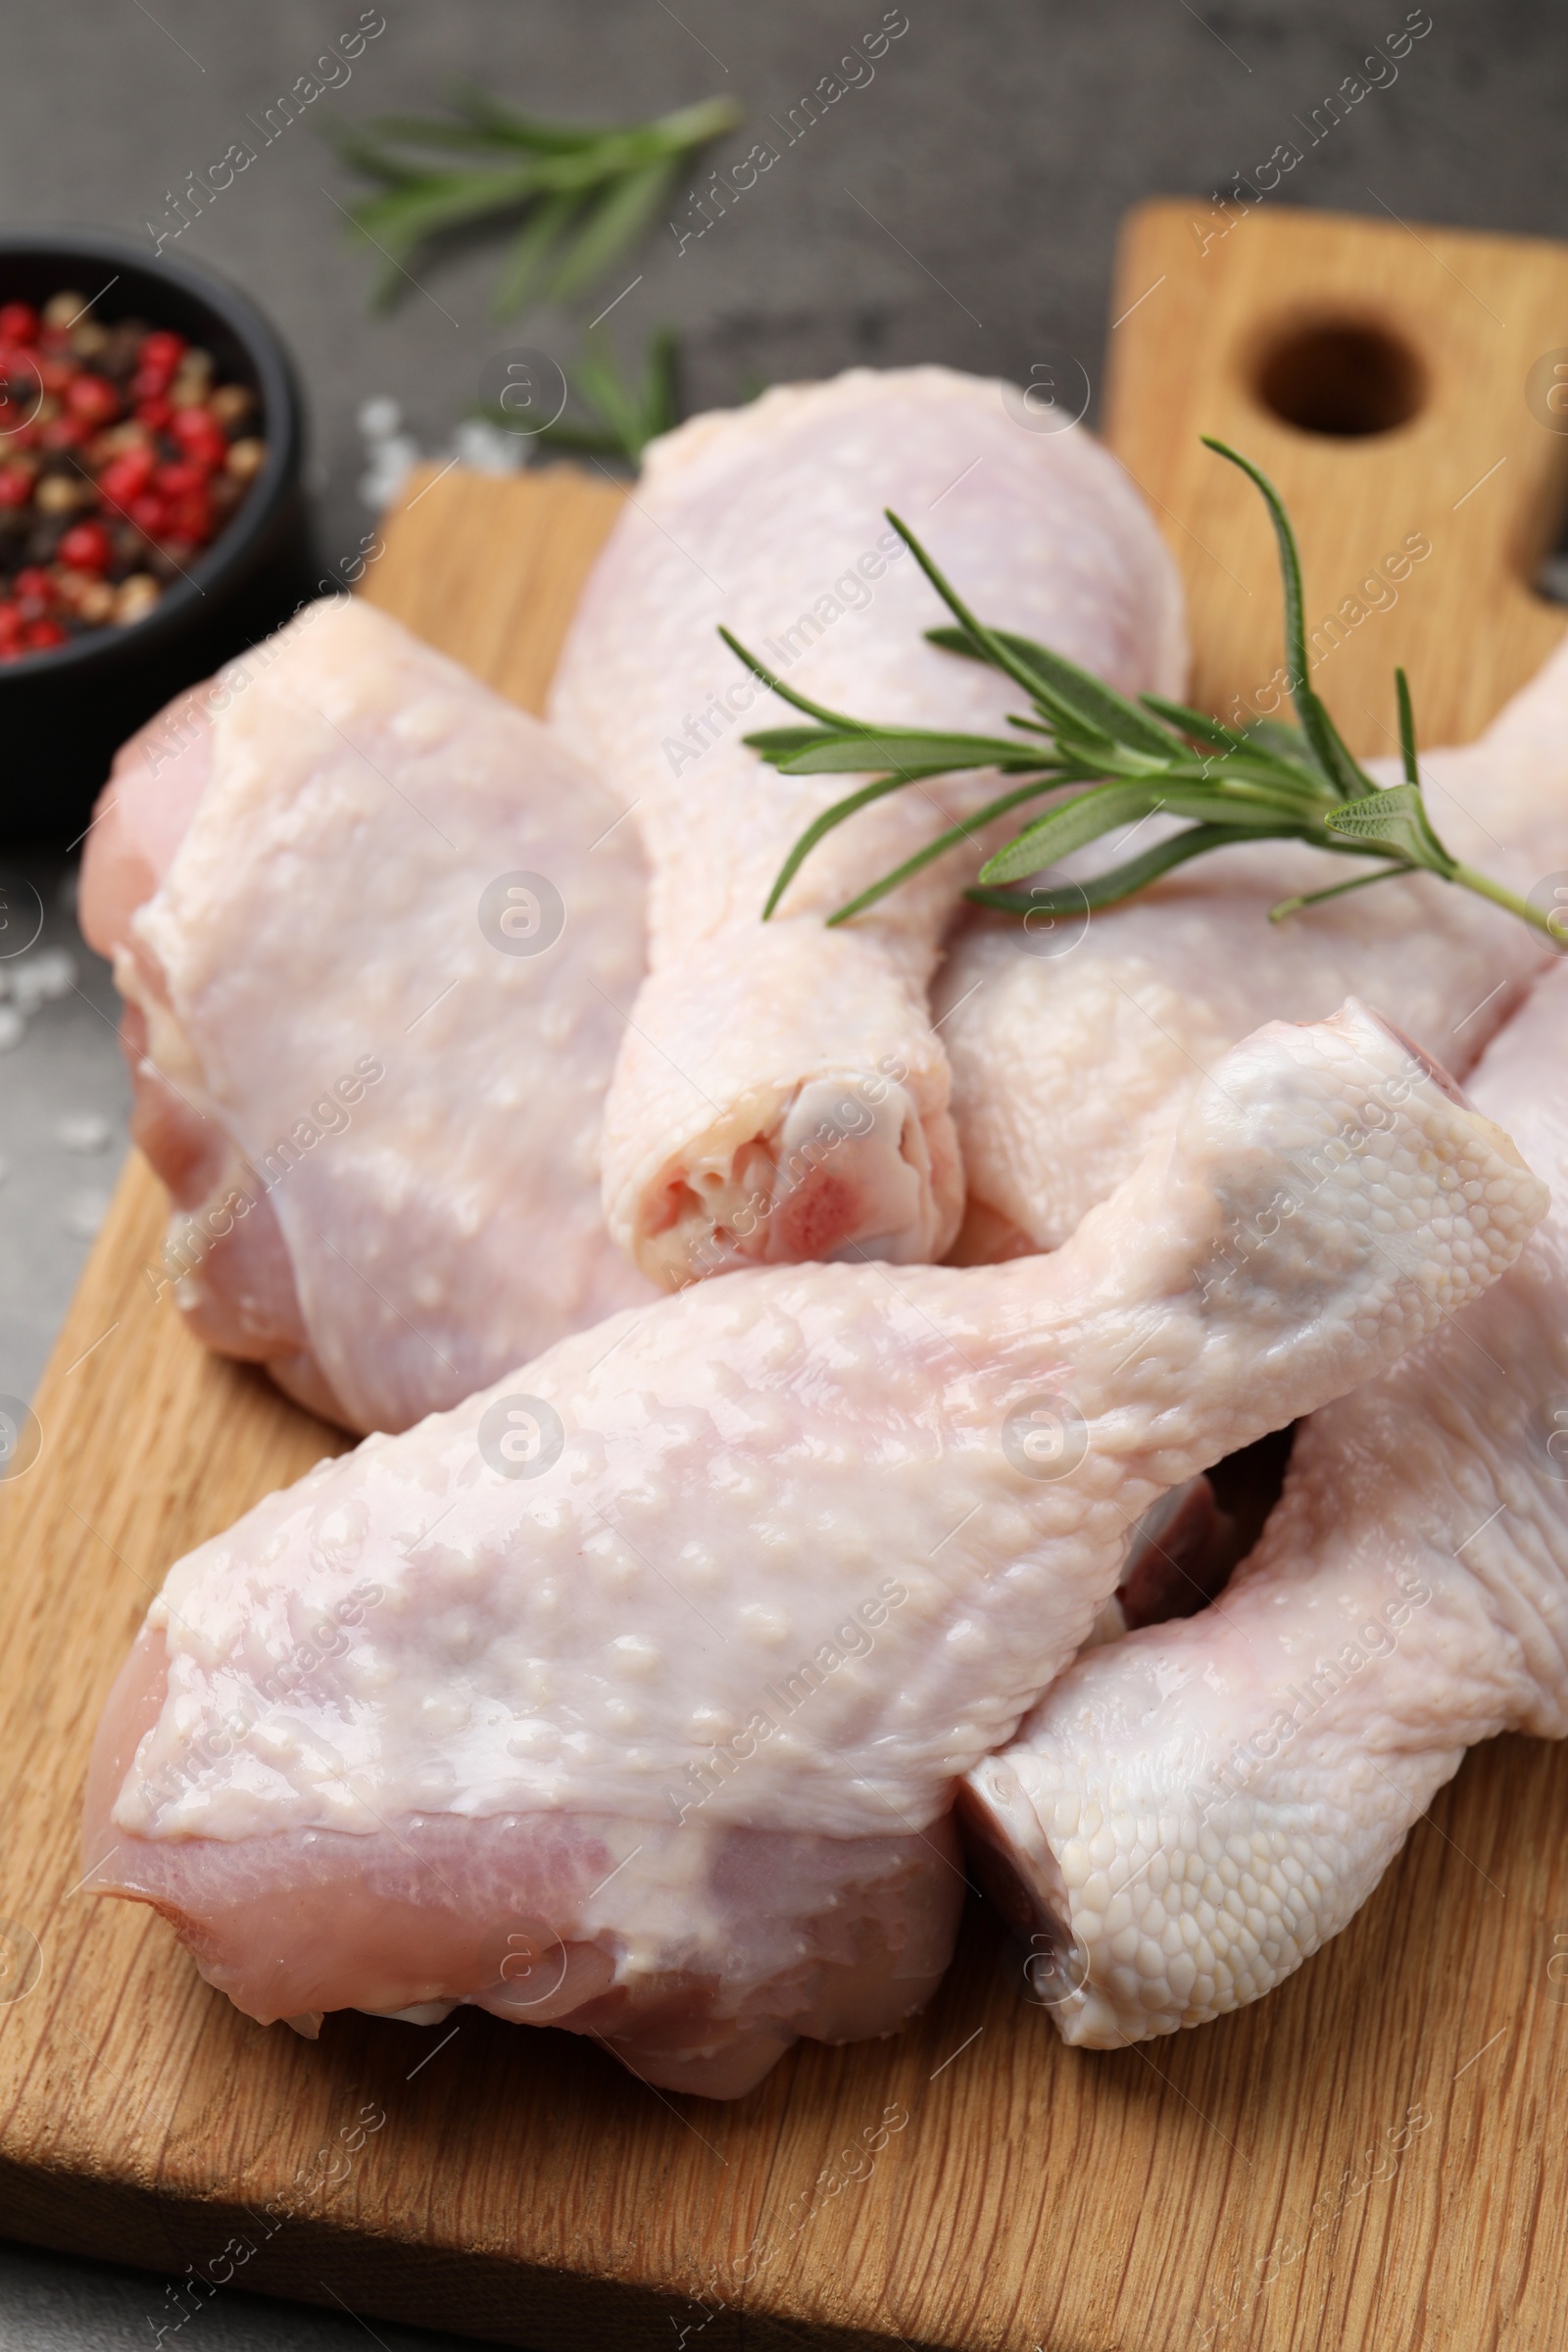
[[623, 416], [581, 193], [1269, 781]]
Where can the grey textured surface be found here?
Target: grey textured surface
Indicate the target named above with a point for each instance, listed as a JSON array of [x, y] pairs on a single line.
[[50, 2304], [65, 1096], [959, 206]]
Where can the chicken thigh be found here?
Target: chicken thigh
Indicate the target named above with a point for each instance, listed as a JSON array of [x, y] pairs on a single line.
[[780, 1094], [370, 923], [1073, 1042], [1192, 1811], [631, 1694]]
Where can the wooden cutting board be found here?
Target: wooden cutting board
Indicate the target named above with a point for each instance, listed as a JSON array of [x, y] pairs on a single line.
[[1364, 2159]]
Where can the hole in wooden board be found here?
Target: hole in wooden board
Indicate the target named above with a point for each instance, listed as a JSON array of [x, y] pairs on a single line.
[[1341, 377], [1550, 579], [1550, 576]]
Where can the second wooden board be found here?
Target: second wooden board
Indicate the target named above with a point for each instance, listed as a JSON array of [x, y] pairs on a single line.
[[1397, 384]]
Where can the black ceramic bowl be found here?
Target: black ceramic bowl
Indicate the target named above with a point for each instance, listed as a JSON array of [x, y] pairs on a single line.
[[64, 713]]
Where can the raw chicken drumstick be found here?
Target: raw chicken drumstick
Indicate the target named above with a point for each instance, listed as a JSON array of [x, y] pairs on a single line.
[[631, 1696], [1070, 1051], [780, 1095], [1195, 1809], [368, 921]]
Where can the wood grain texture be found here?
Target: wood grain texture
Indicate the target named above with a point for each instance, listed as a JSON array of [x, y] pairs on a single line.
[[1235, 2186], [1474, 471], [490, 570]]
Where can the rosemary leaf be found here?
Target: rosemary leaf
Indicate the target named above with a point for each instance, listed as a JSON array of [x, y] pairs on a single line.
[[993, 648], [504, 125], [355, 146], [1093, 707], [587, 191], [425, 208], [1266, 781], [1316, 725], [778, 743], [1400, 818], [608, 394], [627, 416], [527, 259], [1196, 723], [616, 221], [959, 641], [944, 841], [1069, 827], [825, 825], [1074, 693], [1402, 690], [424, 131], [1092, 703], [903, 752], [1278, 739], [1337, 889], [838, 720], [1117, 882]]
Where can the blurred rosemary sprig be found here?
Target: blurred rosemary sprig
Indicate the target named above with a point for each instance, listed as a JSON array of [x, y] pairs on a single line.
[[1269, 781], [621, 418], [580, 193]]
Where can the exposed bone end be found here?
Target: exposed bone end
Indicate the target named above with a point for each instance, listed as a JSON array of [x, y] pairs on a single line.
[[780, 1097], [1117, 1951], [1193, 1812], [1121, 1956], [842, 1167], [1204, 1804], [1019, 1873]]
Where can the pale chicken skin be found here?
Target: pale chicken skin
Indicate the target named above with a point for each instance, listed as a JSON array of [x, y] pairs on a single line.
[[781, 1094], [1072, 1042], [372, 924], [664, 1657], [1192, 1811]]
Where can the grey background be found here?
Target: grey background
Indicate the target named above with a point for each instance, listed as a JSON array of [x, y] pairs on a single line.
[[962, 207]]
